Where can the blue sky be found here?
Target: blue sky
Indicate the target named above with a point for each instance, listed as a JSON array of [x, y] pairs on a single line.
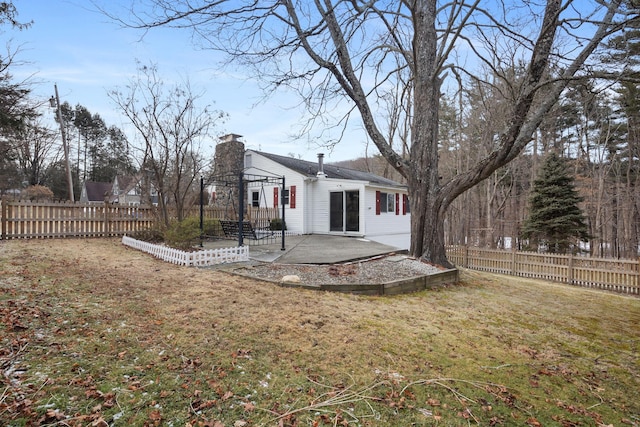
[[79, 49]]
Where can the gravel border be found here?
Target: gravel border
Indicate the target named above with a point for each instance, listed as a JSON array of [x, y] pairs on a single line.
[[376, 270]]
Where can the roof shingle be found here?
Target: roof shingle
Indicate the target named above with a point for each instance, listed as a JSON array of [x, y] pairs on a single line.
[[310, 169]]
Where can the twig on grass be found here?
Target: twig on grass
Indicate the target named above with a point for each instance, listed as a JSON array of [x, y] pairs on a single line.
[[506, 365], [3, 396], [343, 396], [337, 396]]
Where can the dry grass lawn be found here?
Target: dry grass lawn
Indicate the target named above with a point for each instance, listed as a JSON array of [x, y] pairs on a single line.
[[95, 333]]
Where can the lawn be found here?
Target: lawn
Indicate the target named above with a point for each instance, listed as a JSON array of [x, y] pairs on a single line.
[[95, 333]]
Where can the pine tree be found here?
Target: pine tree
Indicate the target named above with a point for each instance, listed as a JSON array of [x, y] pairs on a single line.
[[555, 220]]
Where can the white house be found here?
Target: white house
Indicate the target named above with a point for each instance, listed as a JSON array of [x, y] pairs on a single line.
[[125, 190], [326, 199]]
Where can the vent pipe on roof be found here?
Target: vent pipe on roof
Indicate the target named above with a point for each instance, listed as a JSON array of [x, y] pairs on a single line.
[[321, 166]]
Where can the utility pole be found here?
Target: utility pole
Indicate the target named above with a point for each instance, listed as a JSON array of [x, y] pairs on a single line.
[[56, 103]]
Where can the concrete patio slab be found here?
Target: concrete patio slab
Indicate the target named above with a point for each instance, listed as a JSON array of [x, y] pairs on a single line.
[[315, 249]]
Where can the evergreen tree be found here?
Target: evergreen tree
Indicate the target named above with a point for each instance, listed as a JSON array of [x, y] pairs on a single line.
[[15, 106], [555, 221]]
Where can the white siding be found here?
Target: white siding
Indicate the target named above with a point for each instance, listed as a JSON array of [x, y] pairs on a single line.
[[260, 165], [387, 227], [320, 190]]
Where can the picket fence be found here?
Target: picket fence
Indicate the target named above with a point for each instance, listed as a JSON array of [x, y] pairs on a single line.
[[616, 275], [199, 258]]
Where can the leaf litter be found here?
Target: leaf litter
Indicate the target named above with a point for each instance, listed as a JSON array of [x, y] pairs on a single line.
[[95, 334]]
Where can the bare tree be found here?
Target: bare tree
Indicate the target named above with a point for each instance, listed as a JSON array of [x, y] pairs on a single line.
[[171, 127], [35, 147], [358, 50]]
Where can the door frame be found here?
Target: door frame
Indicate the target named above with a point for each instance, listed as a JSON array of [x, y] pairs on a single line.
[[344, 212]]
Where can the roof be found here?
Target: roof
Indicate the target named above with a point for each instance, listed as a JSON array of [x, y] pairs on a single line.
[[96, 191], [310, 169], [126, 182]]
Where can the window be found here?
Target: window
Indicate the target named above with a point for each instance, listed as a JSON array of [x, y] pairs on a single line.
[[391, 203], [255, 199], [285, 196], [387, 202]]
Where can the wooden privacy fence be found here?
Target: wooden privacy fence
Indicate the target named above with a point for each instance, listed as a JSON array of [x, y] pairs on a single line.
[[602, 273], [40, 220], [33, 220], [259, 217]]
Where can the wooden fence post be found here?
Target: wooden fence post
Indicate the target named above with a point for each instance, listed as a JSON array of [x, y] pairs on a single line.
[[465, 256], [570, 270], [3, 218]]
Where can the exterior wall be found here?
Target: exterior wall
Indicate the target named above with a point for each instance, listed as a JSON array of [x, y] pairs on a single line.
[[259, 165], [389, 228], [319, 214], [131, 197]]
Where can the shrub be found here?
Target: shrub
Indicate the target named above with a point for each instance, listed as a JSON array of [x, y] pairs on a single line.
[[154, 234], [211, 227], [276, 224], [186, 234], [38, 193]]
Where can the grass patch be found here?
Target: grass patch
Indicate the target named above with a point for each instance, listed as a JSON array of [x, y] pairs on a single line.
[[94, 333]]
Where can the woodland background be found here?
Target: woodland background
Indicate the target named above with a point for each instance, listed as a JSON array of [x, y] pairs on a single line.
[[595, 125]]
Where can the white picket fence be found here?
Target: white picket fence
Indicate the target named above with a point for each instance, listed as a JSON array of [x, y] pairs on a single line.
[[199, 258]]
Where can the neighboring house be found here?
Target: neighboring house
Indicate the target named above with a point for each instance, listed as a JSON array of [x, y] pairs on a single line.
[[95, 192], [326, 199], [127, 190]]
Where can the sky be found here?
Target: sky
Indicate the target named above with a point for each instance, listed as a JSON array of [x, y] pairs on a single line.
[[74, 46]]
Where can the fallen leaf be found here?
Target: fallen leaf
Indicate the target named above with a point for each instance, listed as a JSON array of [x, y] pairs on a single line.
[[155, 415], [99, 423], [433, 402]]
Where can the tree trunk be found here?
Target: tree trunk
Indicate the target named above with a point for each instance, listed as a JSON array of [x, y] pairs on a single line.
[[427, 215], [427, 220]]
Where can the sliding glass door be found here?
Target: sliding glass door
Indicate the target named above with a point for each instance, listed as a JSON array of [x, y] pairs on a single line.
[[344, 211]]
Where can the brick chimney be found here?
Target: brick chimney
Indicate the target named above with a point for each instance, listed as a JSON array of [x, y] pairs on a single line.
[[229, 157], [227, 165]]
